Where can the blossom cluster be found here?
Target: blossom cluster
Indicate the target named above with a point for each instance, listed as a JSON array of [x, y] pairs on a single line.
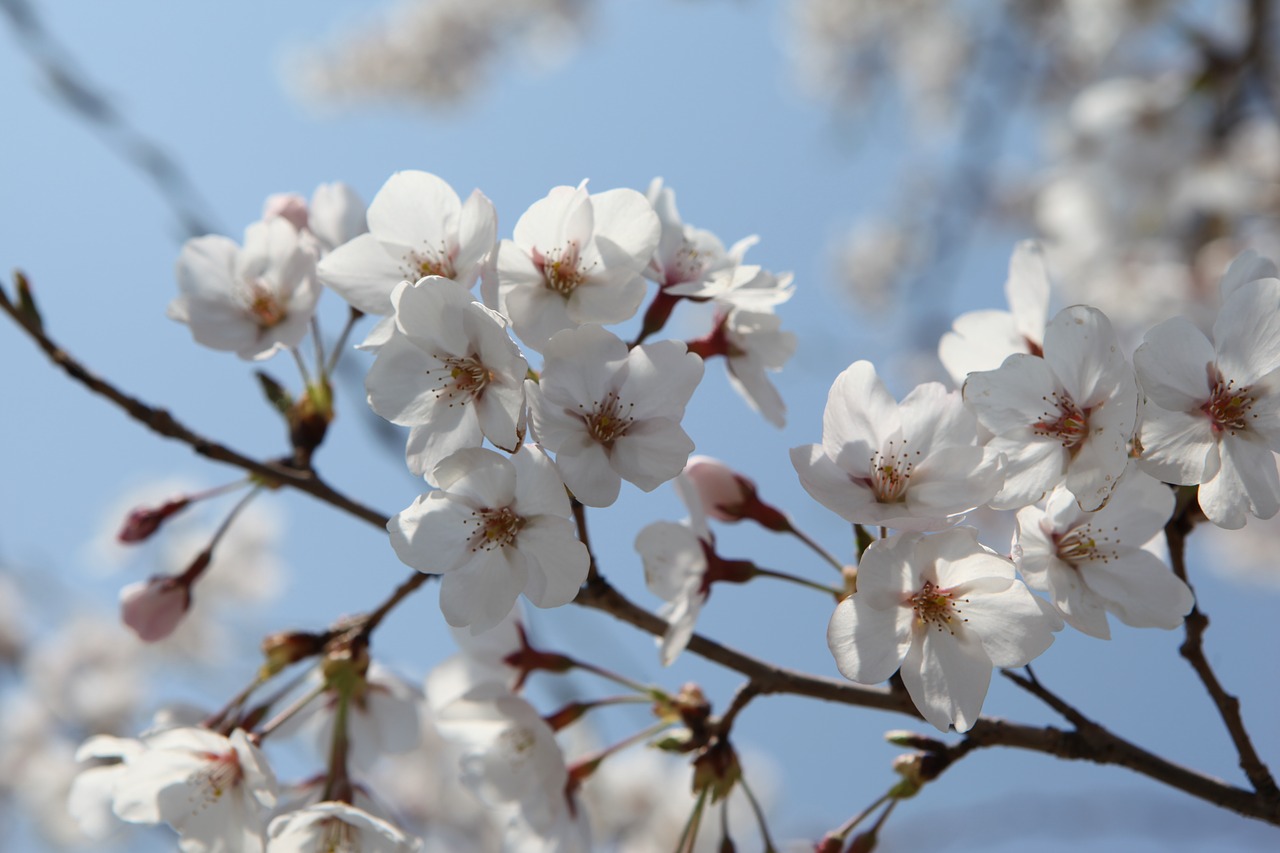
[[523, 410]]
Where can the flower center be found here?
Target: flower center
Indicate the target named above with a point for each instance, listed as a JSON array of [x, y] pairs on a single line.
[[891, 473], [495, 528], [421, 263], [1064, 420], [1084, 544], [1228, 406], [216, 777], [689, 265], [609, 420], [936, 607], [560, 268], [337, 836], [466, 378], [266, 310]]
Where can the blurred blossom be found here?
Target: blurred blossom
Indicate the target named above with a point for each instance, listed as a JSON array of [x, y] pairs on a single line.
[[89, 672], [870, 261], [440, 51]]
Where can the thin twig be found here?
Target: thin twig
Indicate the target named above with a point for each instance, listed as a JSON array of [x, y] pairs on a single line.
[[1192, 649]]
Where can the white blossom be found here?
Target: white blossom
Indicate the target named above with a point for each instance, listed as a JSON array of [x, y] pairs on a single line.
[[495, 528], [942, 610], [609, 413], [252, 301], [1092, 563], [914, 465], [451, 373], [417, 228], [575, 258], [1067, 416]]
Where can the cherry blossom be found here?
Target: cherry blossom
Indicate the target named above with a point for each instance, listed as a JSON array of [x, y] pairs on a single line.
[[154, 607], [1213, 409], [335, 215], [509, 756], [914, 465], [451, 372], [942, 610], [495, 528], [213, 790], [1090, 563], [744, 286], [575, 258], [417, 228], [1070, 414], [686, 255], [981, 340], [609, 413], [252, 301], [333, 826], [676, 557]]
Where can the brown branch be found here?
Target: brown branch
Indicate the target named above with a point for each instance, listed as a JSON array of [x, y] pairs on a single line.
[[1094, 743], [160, 421], [1192, 648]]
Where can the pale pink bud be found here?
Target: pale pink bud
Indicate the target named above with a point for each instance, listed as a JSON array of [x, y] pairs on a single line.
[[729, 496], [290, 206], [154, 607]]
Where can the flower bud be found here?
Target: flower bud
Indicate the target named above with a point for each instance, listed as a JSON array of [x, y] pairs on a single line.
[[729, 496], [144, 521], [154, 607], [290, 206], [288, 647]]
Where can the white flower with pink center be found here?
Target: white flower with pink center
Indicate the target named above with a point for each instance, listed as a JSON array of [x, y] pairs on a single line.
[[418, 227], [686, 255], [942, 610], [451, 372], [494, 529], [1213, 409], [575, 258], [252, 301], [215, 791], [914, 465], [609, 413], [1068, 416], [1092, 563]]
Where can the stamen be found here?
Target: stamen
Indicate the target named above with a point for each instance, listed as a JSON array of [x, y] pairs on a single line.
[[495, 528], [937, 607], [1085, 544], [609, 420], [420, 263], [264, 306], [1063, 420], [1228, 406], [466, 379], [891, 472], [561, 268], [207, 785]]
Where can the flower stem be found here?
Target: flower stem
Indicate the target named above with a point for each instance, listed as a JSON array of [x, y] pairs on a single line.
[[816, 548], [284, 716], [759, 813], [341, 346], [799, 581]]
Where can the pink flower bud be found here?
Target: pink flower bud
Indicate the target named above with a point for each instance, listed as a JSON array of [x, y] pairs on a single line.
[[724, 492], [290, 206], [144, 521], [729, 496], [154, 607]]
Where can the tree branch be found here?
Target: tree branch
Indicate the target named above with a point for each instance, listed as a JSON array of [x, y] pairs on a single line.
[[1192, 649]]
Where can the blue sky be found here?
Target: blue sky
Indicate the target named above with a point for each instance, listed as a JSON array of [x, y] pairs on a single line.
[[697, 93]]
